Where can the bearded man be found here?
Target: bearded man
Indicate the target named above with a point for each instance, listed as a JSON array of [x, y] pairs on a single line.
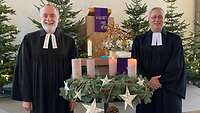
[[43, 63]]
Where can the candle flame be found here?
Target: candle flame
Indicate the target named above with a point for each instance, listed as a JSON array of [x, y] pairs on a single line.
[[132, 60]]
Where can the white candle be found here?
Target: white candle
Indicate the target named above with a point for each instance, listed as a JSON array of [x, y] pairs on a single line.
[[91, 68], [132, 67], [76, 69], [112, 66], [89, 47]]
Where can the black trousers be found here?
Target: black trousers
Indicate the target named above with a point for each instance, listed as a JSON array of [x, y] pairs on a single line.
[[163, 101]]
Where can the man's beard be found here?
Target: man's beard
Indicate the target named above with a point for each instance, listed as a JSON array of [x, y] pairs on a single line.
[[49, 28]]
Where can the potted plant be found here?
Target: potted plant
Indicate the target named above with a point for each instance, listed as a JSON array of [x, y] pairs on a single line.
[[117, 41]]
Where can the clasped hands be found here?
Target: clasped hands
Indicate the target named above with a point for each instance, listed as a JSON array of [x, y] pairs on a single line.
[[155, 83], [28, 106]]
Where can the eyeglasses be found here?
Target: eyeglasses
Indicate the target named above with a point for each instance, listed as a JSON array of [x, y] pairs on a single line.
[[160, 17]]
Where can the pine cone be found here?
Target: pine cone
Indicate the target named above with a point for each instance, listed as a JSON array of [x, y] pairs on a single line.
[[112, 109]]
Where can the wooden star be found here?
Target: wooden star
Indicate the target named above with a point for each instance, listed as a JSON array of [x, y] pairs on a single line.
[[92, 108], [140, 82], [128, 98], [66, 88], [105, 80], [77, 94]]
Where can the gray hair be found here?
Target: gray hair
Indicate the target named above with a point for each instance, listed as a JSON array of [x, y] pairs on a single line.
[[156, 8], [50, 5]]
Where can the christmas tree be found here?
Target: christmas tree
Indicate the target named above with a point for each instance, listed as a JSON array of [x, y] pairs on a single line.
[[191, 44], [7, 37], [192, 55], [67, 23], [136, 21], [173, 19]]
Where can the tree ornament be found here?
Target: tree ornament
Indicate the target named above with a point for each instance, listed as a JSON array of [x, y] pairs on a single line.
[[128, 98], [105, 80], [140, 82], [78, 94], [92, 108]]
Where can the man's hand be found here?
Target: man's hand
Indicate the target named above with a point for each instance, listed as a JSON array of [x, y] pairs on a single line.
[[72, 105], [155, 83], [27, 106]]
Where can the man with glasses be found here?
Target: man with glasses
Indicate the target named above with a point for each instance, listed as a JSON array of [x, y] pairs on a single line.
[[160, 58]]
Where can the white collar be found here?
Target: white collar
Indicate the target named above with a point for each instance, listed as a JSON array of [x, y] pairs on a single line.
[[53, 40], [156, 39]]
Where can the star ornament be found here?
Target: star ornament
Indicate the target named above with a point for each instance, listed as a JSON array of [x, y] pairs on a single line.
[[128, 98], [77, 94], [92, 108], [105, 80], [66, 88], [140, 82]]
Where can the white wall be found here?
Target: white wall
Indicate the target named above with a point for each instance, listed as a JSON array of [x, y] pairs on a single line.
[[25, 8]]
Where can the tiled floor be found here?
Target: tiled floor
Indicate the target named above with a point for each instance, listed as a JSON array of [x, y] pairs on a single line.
[[190, 105]]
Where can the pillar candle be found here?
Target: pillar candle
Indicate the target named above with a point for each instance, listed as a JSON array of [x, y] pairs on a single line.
[[132, 67], [91, 67], [89, 47], [76, 69], [112, 66]]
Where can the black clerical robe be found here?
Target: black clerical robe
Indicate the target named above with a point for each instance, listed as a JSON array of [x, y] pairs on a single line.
[[166, 60], [40, 72]]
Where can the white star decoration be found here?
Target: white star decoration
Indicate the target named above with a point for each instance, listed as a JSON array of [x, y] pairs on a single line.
[[105, 80], [140, 82], [92, 108], [128, 98], [78, 94], [66, 87]]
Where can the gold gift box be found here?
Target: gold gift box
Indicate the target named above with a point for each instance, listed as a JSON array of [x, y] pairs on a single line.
[[92, 11]]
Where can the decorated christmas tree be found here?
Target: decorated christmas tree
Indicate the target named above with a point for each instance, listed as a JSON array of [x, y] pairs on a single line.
[[7, 37], [192, 55], [67, 23], [136, 21], [176, 24]]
